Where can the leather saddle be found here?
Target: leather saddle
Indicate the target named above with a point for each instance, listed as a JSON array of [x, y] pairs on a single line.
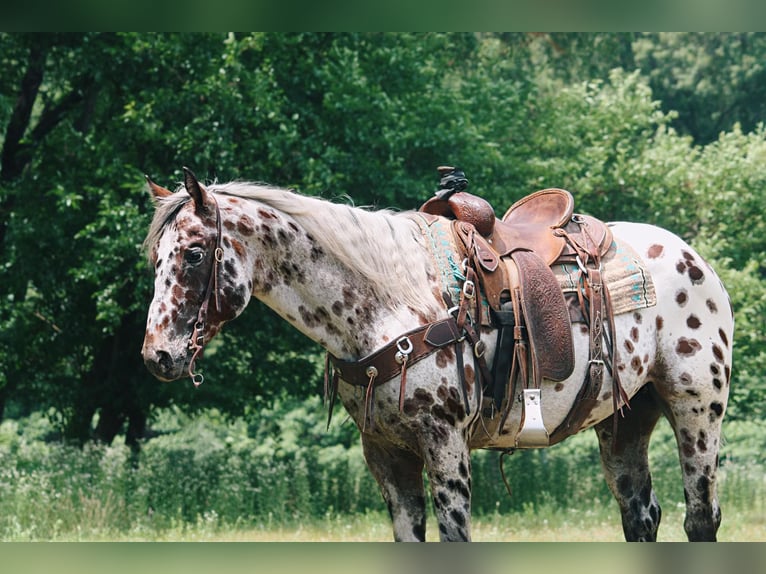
[[530, 224], [513, 256]]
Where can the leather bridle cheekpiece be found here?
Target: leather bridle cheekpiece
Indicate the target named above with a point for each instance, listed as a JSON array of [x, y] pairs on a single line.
[[197, 339]]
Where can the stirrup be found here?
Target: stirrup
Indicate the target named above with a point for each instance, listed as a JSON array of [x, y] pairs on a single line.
[[532, 434]]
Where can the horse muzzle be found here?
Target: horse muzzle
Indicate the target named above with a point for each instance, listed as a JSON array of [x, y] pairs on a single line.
[[163, 364]]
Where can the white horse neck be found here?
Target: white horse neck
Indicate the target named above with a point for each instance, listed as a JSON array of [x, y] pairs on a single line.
[[348, 278]]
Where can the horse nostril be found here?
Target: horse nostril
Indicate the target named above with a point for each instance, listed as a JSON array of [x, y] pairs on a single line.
[[164, 360]]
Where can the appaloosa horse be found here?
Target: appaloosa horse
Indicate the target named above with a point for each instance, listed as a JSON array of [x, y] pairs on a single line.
[[356, 280]]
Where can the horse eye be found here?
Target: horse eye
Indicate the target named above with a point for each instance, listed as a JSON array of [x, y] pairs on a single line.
[[194, 256]]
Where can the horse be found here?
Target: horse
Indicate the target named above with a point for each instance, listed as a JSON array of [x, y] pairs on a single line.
[[354, 280]]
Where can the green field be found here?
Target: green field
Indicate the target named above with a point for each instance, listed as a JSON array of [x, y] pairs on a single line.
[[209, 478]]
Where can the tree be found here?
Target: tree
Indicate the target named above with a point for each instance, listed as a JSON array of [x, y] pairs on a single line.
[[366, 116]]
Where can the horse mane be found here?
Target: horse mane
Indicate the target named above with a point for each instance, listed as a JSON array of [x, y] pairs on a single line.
[[376, 244]]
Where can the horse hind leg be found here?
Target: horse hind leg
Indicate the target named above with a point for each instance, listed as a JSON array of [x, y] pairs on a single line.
[[625, 461], [696, 420]]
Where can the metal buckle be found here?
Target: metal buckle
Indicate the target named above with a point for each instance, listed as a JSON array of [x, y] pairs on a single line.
[[469, 289], [404, 346]]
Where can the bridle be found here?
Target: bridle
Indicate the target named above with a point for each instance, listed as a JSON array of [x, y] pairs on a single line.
[[197, 339]]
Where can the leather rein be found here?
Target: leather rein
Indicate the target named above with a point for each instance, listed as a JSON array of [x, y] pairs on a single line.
[[197, 339]]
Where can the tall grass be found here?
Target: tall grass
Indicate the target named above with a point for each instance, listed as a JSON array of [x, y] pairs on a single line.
[[281, 472]]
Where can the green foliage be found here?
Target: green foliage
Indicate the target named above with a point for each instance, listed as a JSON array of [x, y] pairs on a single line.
[[281, 466]]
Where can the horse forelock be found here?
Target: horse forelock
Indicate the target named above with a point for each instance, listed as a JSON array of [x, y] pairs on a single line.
[[376, 244]]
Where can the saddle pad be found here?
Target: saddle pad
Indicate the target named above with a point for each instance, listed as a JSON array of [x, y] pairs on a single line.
[[625, 275], [440, 241]]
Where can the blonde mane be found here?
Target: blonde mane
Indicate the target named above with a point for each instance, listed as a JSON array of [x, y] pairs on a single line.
[[375, 244]]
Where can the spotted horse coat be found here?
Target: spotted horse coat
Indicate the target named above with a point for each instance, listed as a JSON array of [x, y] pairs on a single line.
[[353, 280]]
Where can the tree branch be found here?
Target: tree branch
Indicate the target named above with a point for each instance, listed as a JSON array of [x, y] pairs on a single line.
[[12, 161]]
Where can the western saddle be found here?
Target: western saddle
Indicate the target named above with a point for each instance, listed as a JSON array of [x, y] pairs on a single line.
[[507, 262], [511, 259]]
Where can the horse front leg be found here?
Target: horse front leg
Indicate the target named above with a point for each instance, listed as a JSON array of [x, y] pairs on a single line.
[[399, 473], [448, 465]]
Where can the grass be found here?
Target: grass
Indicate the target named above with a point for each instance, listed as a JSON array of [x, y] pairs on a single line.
[[215, 480], [598, 524]]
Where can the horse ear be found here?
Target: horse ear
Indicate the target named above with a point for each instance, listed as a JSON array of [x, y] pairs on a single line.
[[196, 190], [157, 190]]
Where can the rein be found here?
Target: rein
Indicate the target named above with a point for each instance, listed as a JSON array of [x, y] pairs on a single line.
[[197, 339]]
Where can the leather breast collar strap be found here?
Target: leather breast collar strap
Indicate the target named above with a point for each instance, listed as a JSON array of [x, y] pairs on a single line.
[[389, 361], [197, 339]]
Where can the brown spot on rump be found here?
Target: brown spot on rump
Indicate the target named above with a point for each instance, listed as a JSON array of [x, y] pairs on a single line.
[[724, 337], [337, 308], [628, 346], [693, 322], [687, 347], [712, 307], [696, 275], [682, 297], [718, 353], [717, 410], [559, 387], [634, 334], [637, 317], [689, 265], [655, 251], [635, 362], [659, 321]]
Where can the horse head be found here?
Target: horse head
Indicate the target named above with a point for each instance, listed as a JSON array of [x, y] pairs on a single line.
[[199, 283]]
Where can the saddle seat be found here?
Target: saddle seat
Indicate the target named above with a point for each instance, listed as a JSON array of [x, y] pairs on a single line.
[[530, 224]]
